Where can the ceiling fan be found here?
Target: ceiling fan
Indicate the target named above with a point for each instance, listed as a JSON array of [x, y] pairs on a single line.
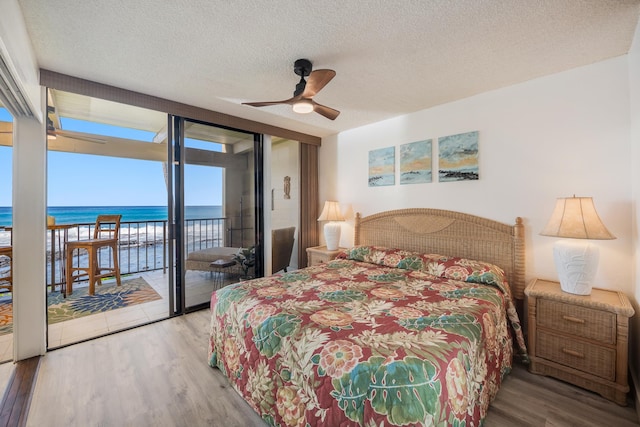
[[53, 132], [87, 137], [302, 100]]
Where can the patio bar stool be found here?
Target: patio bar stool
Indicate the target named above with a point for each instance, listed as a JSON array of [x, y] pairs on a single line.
[[6, 282], [105, 235]]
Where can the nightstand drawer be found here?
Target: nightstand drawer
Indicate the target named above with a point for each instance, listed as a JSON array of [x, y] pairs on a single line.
[[575, 320], [581, 339], [320, 255], [586, 357]]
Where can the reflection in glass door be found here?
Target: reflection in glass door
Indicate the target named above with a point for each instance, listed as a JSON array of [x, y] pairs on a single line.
[[216, 203], [6, 250]]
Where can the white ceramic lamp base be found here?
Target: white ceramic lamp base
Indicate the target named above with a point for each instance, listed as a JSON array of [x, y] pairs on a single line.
[[332, 235], [576, 263]]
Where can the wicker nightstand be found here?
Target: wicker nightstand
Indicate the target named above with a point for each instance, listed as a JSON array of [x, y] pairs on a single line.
[[320, 254], [580, 339]]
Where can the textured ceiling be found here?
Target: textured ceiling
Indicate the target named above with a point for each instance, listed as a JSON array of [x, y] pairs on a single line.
[[391, 57]]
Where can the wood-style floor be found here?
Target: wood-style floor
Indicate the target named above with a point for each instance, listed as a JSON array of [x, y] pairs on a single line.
[[199, 286], [157, 375]]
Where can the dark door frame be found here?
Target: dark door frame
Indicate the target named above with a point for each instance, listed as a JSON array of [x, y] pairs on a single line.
[[175, 203]]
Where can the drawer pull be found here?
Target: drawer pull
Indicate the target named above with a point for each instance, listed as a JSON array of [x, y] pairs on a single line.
[[573, 353], [573, 319]]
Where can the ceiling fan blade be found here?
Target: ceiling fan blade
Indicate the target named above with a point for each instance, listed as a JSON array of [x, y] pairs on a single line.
[[80, 136], [72, 135], [267, 103], [328, 112], [92, 140], [316, 81]]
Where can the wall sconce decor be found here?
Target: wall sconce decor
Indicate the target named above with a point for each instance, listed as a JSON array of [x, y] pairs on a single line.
[[287, 187]]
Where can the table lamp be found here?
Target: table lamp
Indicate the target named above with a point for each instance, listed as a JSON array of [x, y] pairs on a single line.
[[576, 260], [331, 212]]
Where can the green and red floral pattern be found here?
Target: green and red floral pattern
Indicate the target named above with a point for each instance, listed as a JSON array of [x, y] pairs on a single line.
[[370, 341]]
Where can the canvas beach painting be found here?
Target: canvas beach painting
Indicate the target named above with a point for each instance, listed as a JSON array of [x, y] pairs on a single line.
[[458, 157], [415, 162], [382, 170]]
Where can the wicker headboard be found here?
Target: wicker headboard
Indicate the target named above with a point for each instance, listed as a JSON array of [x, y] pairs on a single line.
[[449, 233]]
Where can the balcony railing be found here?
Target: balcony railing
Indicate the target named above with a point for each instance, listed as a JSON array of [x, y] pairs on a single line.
[[142, 245]]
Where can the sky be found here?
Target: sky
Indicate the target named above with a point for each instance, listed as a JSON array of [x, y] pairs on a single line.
[[87, 180]]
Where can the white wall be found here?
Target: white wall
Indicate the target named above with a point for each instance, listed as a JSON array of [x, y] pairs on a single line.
[[29, 237], [15, 47], [552, 137], [556, 136], [634, 89], [285, 161]]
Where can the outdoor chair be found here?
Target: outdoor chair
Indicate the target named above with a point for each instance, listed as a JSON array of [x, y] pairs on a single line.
[[6, 282], [282, 244], [105, 235]]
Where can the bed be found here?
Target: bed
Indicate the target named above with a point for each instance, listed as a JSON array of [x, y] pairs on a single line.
[[414, 325]]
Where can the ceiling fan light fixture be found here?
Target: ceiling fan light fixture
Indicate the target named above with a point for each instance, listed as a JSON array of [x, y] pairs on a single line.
[[304, 106], [51, 130], [302, 99]]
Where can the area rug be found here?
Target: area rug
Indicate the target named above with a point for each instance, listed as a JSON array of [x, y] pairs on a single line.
[[107, 297]]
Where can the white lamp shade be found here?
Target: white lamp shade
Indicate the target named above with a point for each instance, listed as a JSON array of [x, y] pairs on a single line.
[[576, 260], [576, 218], [331, 212]]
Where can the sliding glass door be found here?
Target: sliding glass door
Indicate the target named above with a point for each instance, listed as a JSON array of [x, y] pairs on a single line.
[[215, 209], [104, 159], [6, 249]]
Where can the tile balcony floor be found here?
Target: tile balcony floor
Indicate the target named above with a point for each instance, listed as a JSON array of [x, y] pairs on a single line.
[[200, 285]]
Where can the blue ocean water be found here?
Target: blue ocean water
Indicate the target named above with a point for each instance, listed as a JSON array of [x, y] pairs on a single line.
[[142, 243], [88, 214]]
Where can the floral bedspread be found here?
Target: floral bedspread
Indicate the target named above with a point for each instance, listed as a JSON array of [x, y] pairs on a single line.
[[378, 337]]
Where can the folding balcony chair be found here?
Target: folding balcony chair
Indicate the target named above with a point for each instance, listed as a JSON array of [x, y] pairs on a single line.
[[105, 235]]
